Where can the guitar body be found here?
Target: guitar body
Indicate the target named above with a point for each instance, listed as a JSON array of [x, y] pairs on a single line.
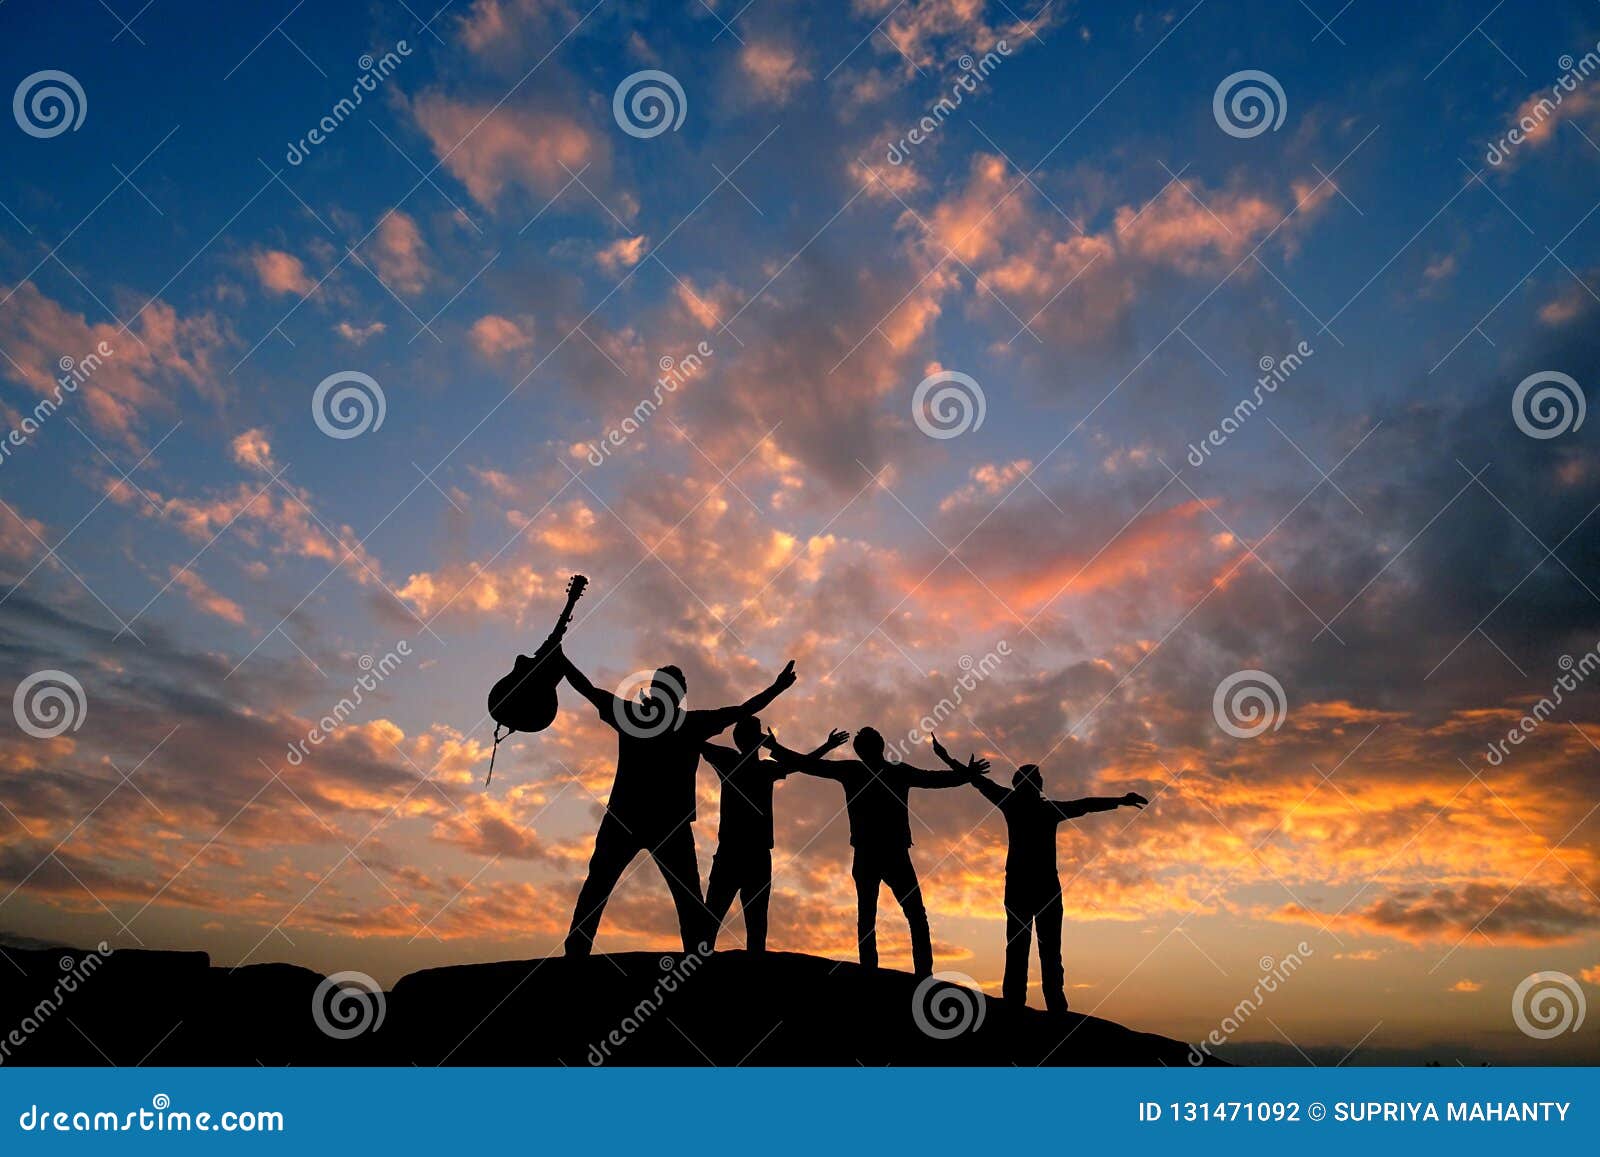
[[525, 699]]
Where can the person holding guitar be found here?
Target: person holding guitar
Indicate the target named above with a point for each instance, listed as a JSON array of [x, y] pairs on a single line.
[[652, 802]]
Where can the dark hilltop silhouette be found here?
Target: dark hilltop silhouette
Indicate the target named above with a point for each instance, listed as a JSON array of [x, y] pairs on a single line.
[[726, 1009]]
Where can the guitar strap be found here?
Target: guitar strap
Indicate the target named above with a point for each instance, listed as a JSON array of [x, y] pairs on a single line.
[[495, 751]]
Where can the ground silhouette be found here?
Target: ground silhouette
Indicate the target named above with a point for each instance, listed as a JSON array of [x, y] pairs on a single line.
[[731, 1008]]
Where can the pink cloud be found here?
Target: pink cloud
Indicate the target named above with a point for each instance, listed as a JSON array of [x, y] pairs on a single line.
[[623, 253], [773, 70], [401, 253], [490, 149], [201, 594], [282, 272], [131, 379], [495, 336]]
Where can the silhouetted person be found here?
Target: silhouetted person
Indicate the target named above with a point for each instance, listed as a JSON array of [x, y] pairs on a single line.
[[652, 798], [1033, 885], [743, 863], [876, 797]]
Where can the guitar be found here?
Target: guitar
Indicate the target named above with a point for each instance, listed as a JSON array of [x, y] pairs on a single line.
[[525, 698]]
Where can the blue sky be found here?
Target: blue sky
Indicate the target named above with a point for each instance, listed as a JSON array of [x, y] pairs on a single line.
[[1080, 236]]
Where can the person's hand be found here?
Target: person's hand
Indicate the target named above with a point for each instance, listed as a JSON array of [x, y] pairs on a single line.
[[1134, 799], [769, 740], [837, 737], [939, 748], [786, 677], [977, 766]]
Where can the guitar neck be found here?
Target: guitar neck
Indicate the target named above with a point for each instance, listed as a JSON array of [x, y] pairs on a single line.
[[560, 629]]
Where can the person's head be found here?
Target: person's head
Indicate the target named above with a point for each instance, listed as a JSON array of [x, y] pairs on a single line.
[[748, 734], [669, 684], [868, 745], [1027, 778]]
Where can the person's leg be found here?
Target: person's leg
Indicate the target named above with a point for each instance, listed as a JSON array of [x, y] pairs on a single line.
[[1019, 921], [754, 892], [721, 886], [675, 856], [613, 849], [864, 870], [901, 876], [1051, 975]]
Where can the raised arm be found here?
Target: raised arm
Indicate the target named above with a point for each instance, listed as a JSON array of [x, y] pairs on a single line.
[[727, 716], [607, 704], [1071, 809]]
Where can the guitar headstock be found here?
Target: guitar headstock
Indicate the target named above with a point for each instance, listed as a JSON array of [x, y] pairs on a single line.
[[575, 588]]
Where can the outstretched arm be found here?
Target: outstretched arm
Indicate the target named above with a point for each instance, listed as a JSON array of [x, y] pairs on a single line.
[[836, 738], [955, 777], [1070, 809], [958, 774], [811, 764], [605, 702], [991, 790], [727, 716]]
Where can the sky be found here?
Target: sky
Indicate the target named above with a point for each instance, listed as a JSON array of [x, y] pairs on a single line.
[[1227, 396]]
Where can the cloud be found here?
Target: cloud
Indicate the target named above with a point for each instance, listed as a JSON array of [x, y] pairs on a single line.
[[773, 70], [1528, 915], [136, 379], [204, 597], [359, 335], [494, 336], [623, 253], [281, 272], [932, 32], [493, 150], [252, 449], [401, 254]]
